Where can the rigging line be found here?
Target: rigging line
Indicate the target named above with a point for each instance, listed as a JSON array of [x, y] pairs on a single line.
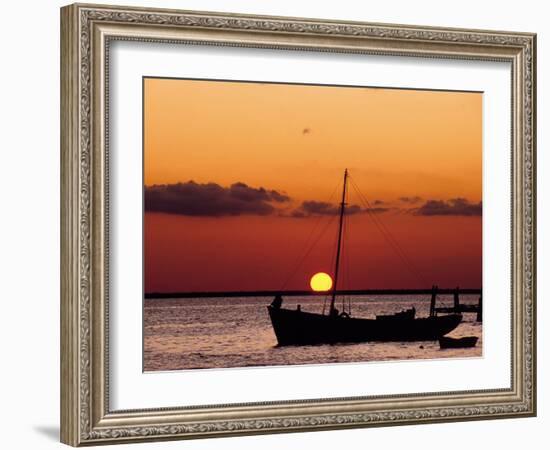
[[312, 246], [383, 229], [391, 240], [412, 266], [329, 270], [332, 262], [344, 251], [331, 265], [345, 257], [345, 267], [341, 249], [398, 250], [311, 235], [333, 254], [347, 263], [389, 237]]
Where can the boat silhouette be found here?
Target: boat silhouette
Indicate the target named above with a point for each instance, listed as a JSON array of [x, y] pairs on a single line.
[[297, 327]]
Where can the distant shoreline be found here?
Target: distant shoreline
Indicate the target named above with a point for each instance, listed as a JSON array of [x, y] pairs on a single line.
[[296, 293]]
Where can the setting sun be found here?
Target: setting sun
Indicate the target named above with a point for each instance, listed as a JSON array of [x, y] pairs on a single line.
[[321, 282]]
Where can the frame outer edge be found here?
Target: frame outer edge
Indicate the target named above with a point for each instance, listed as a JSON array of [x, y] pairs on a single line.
[[533, 224], [69, 337], [535, 374], [81, 414]]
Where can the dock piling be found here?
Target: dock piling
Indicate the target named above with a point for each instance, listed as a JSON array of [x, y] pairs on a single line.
[[479, 317]]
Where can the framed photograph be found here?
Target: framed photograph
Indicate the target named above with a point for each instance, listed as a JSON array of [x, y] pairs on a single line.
[[275, 224]]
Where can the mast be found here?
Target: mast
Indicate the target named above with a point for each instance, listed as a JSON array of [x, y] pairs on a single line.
[[338, 248]]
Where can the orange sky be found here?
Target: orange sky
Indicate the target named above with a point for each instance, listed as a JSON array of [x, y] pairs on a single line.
[[297, 140]]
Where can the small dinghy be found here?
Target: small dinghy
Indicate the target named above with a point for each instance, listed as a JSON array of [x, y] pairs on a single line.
[[464, 342]]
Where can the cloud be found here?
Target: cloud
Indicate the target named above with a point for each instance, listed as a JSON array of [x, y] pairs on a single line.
[[410, 200], [211, 199], [378, 202], [315, 208], [452, 207], [310, 208]]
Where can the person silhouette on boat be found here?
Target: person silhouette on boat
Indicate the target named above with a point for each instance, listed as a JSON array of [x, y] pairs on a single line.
[[277, 302]]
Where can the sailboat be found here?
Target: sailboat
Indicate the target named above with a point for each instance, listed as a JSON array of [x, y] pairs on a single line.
[[297, 327]]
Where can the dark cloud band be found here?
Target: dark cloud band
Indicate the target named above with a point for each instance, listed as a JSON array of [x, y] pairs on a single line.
[[314, 208], [211, 199], [452, 207]]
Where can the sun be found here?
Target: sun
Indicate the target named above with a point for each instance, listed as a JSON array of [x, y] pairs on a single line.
[[321, 282]]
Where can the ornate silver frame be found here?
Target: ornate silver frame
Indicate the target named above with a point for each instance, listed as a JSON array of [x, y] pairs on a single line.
[[86, 31]]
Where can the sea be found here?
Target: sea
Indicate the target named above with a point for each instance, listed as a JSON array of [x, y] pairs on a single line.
[[215, 333]]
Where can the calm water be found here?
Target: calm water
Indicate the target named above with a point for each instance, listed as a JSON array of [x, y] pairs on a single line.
[[236, 332]]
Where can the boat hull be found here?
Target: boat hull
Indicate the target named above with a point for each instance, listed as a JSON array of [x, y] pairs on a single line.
[[294, 327]]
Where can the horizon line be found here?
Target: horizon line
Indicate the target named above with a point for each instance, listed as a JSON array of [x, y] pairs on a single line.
[[302, 292]]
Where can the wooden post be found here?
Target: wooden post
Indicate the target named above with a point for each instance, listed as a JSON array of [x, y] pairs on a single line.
[[432, 301], [479, 317], [456, 301]]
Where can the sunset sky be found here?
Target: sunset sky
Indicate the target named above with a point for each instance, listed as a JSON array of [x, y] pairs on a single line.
[[240, 178]]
